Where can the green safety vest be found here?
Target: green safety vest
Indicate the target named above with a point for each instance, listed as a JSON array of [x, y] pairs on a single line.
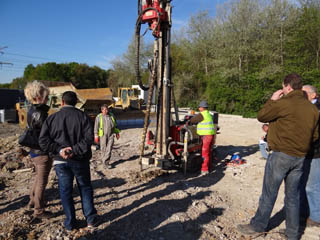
[[206, 126], [115, 129]]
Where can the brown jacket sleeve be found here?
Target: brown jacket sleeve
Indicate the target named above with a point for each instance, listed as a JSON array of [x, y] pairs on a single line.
[[196, 119], [270, 111], [316, 132]]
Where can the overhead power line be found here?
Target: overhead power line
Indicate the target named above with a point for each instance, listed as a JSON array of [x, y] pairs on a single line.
[[1, 48], [11, 69], [27, 56], [4, 63], [1, 63], [26, 61]]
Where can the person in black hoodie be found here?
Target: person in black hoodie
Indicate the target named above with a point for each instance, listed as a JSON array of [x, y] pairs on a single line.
[[68, 135], [37, 94]]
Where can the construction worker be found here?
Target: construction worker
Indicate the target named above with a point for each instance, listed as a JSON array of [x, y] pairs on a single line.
[[205, 129], [104, 129]]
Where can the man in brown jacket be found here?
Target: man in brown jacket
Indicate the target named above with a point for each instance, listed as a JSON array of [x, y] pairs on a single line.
[[293, 126]]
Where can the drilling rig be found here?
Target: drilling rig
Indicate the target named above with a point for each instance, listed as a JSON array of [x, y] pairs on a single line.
[[174, 142]]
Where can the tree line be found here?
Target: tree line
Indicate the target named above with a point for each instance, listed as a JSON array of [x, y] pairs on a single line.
[[235, 59], [80, 75], [239, 57]]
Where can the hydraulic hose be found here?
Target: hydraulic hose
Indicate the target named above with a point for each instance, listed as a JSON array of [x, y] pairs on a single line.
[[187, 130], [179, 143], [169, 146], [137, 42]]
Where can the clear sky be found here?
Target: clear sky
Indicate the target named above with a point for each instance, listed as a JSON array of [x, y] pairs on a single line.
[[92, 32]]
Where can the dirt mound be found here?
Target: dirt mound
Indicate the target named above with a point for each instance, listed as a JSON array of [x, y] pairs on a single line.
[[147, 175]]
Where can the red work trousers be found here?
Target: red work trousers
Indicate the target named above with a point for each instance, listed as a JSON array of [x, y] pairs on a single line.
[[207, 142]]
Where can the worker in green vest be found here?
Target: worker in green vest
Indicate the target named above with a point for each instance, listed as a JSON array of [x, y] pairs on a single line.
[[105, 127], [205, 129]]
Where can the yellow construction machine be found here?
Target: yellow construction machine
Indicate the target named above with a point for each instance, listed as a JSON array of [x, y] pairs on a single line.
[[128, 98], [127, 108], [89, 100]]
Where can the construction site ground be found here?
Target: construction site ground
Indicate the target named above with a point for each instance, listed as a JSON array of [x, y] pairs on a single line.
[[152, 204]]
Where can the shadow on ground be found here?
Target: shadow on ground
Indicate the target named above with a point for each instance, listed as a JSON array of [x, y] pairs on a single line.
[[159, 212], [243, 151]]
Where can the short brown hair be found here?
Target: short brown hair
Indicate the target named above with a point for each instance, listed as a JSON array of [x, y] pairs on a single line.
[[294, 80]]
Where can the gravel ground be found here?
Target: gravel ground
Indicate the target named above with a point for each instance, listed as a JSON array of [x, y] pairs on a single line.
[[152, 204]]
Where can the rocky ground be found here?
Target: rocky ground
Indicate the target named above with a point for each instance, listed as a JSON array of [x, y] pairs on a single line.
[[149, 204]]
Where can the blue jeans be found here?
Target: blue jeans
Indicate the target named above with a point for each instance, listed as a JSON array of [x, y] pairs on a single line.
[[279, 167], [313, 189], [263, 149], [66, 173]]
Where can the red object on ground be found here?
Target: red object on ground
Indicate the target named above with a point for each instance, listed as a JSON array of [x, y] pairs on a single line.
[[96, 139], [236, 160]]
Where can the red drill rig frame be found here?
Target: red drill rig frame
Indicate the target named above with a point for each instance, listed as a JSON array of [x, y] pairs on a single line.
[[154, 15], [173, 141]]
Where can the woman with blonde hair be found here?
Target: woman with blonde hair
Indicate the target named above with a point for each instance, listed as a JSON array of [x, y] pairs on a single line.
[[37, 94]]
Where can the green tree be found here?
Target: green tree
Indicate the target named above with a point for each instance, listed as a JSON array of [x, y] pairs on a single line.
[[5, 85], [123, 67], [18, 83], [81, 75], [307, 35]]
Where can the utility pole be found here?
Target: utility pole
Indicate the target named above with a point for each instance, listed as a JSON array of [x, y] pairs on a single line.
[[1, 48], [2, 63]]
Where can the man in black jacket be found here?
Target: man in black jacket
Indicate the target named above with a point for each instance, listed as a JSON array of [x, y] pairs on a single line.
[[68, 135]]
